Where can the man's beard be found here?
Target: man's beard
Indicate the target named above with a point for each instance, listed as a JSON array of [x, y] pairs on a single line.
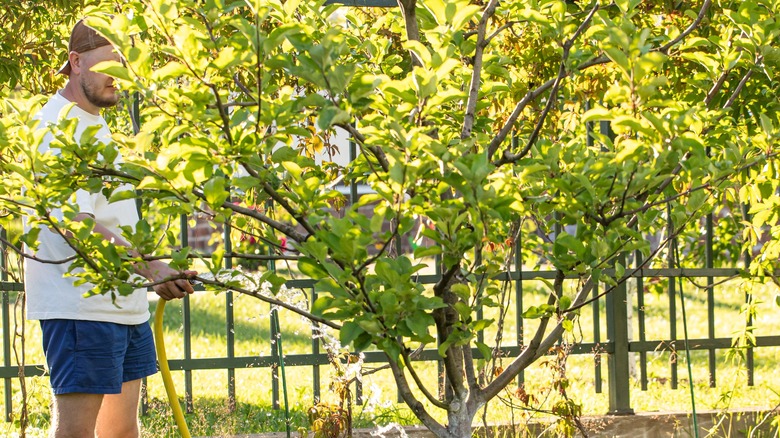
[[93, 96]]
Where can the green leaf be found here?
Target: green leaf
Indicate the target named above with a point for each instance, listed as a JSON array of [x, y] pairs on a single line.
[[170, 70], [321, 304], [484, 350], [293, 169], [349, 332], [30, 238], [463, 291], [275, 280], [311, 268], [570, 243], [620, 271], [227, 58], [363, 341], [121, 195], [113, 68], [463, 309], [564, 303], [330, 116], [481, 324], [766, 124], [420, 323], [597, 114], [215, 192], [444, 346], [371, 326], [620, 59], [533, 312], [421, 251]]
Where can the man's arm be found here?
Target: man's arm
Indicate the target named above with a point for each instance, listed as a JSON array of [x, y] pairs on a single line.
[[155, 270]]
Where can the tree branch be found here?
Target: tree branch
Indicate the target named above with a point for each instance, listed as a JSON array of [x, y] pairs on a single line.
[[476, 76], [408, 10], [269, 300], [222, 114], [287, 229], [532, 95], [535, 349], [361, 140], [414, 404], [468, 364], [498, 31], [738, 90], [420, 385], [281, 201], [716, 87], [438, 288], [702, 12], [243, 86], [23, 254], [679, 166]]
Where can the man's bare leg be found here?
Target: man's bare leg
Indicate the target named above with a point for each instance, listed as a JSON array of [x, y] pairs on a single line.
[[74, 415], [118, 416]]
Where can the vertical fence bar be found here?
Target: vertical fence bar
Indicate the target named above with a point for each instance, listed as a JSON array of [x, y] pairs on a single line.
[[673, 324], [672, 248], [589, 140], [7, 386], [353, 198], [353, 189], [187, 328], [315, 349], [439, 363], [617, 362], [749, 360], [640, 304], [519, 327], [230, 327], [597, 338], [709, 264], [274, 361]]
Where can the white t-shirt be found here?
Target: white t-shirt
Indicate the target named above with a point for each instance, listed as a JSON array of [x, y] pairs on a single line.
[[50, 293]]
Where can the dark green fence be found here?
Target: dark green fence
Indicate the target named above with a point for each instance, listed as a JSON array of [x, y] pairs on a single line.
[[611, 341]]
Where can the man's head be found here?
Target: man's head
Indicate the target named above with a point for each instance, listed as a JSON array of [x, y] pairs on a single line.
[[85, 49]]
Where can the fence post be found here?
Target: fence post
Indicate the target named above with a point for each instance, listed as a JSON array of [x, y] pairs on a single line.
[[187, 326], [617, 361], [8, 389]]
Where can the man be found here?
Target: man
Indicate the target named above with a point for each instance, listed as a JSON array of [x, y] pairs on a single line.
[[97, 348]]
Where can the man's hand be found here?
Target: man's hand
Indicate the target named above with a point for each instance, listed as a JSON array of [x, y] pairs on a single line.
[[157, 271]]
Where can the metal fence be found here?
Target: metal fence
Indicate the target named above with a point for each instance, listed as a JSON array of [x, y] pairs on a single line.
[[612, 340]]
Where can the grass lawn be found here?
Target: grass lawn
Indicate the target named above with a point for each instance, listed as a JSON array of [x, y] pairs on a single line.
[[254, 413]]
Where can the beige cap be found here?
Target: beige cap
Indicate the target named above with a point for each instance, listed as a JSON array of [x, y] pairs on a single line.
[[82, 39]]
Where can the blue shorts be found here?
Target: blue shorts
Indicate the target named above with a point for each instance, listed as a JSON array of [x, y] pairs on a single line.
[[96, 357]]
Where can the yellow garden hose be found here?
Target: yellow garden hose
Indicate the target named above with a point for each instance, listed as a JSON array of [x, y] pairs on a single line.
[[165, 370]]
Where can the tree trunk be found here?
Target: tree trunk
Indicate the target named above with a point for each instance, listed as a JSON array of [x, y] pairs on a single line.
[[460, 417]]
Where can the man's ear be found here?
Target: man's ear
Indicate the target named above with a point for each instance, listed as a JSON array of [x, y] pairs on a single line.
[[74, 58]]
